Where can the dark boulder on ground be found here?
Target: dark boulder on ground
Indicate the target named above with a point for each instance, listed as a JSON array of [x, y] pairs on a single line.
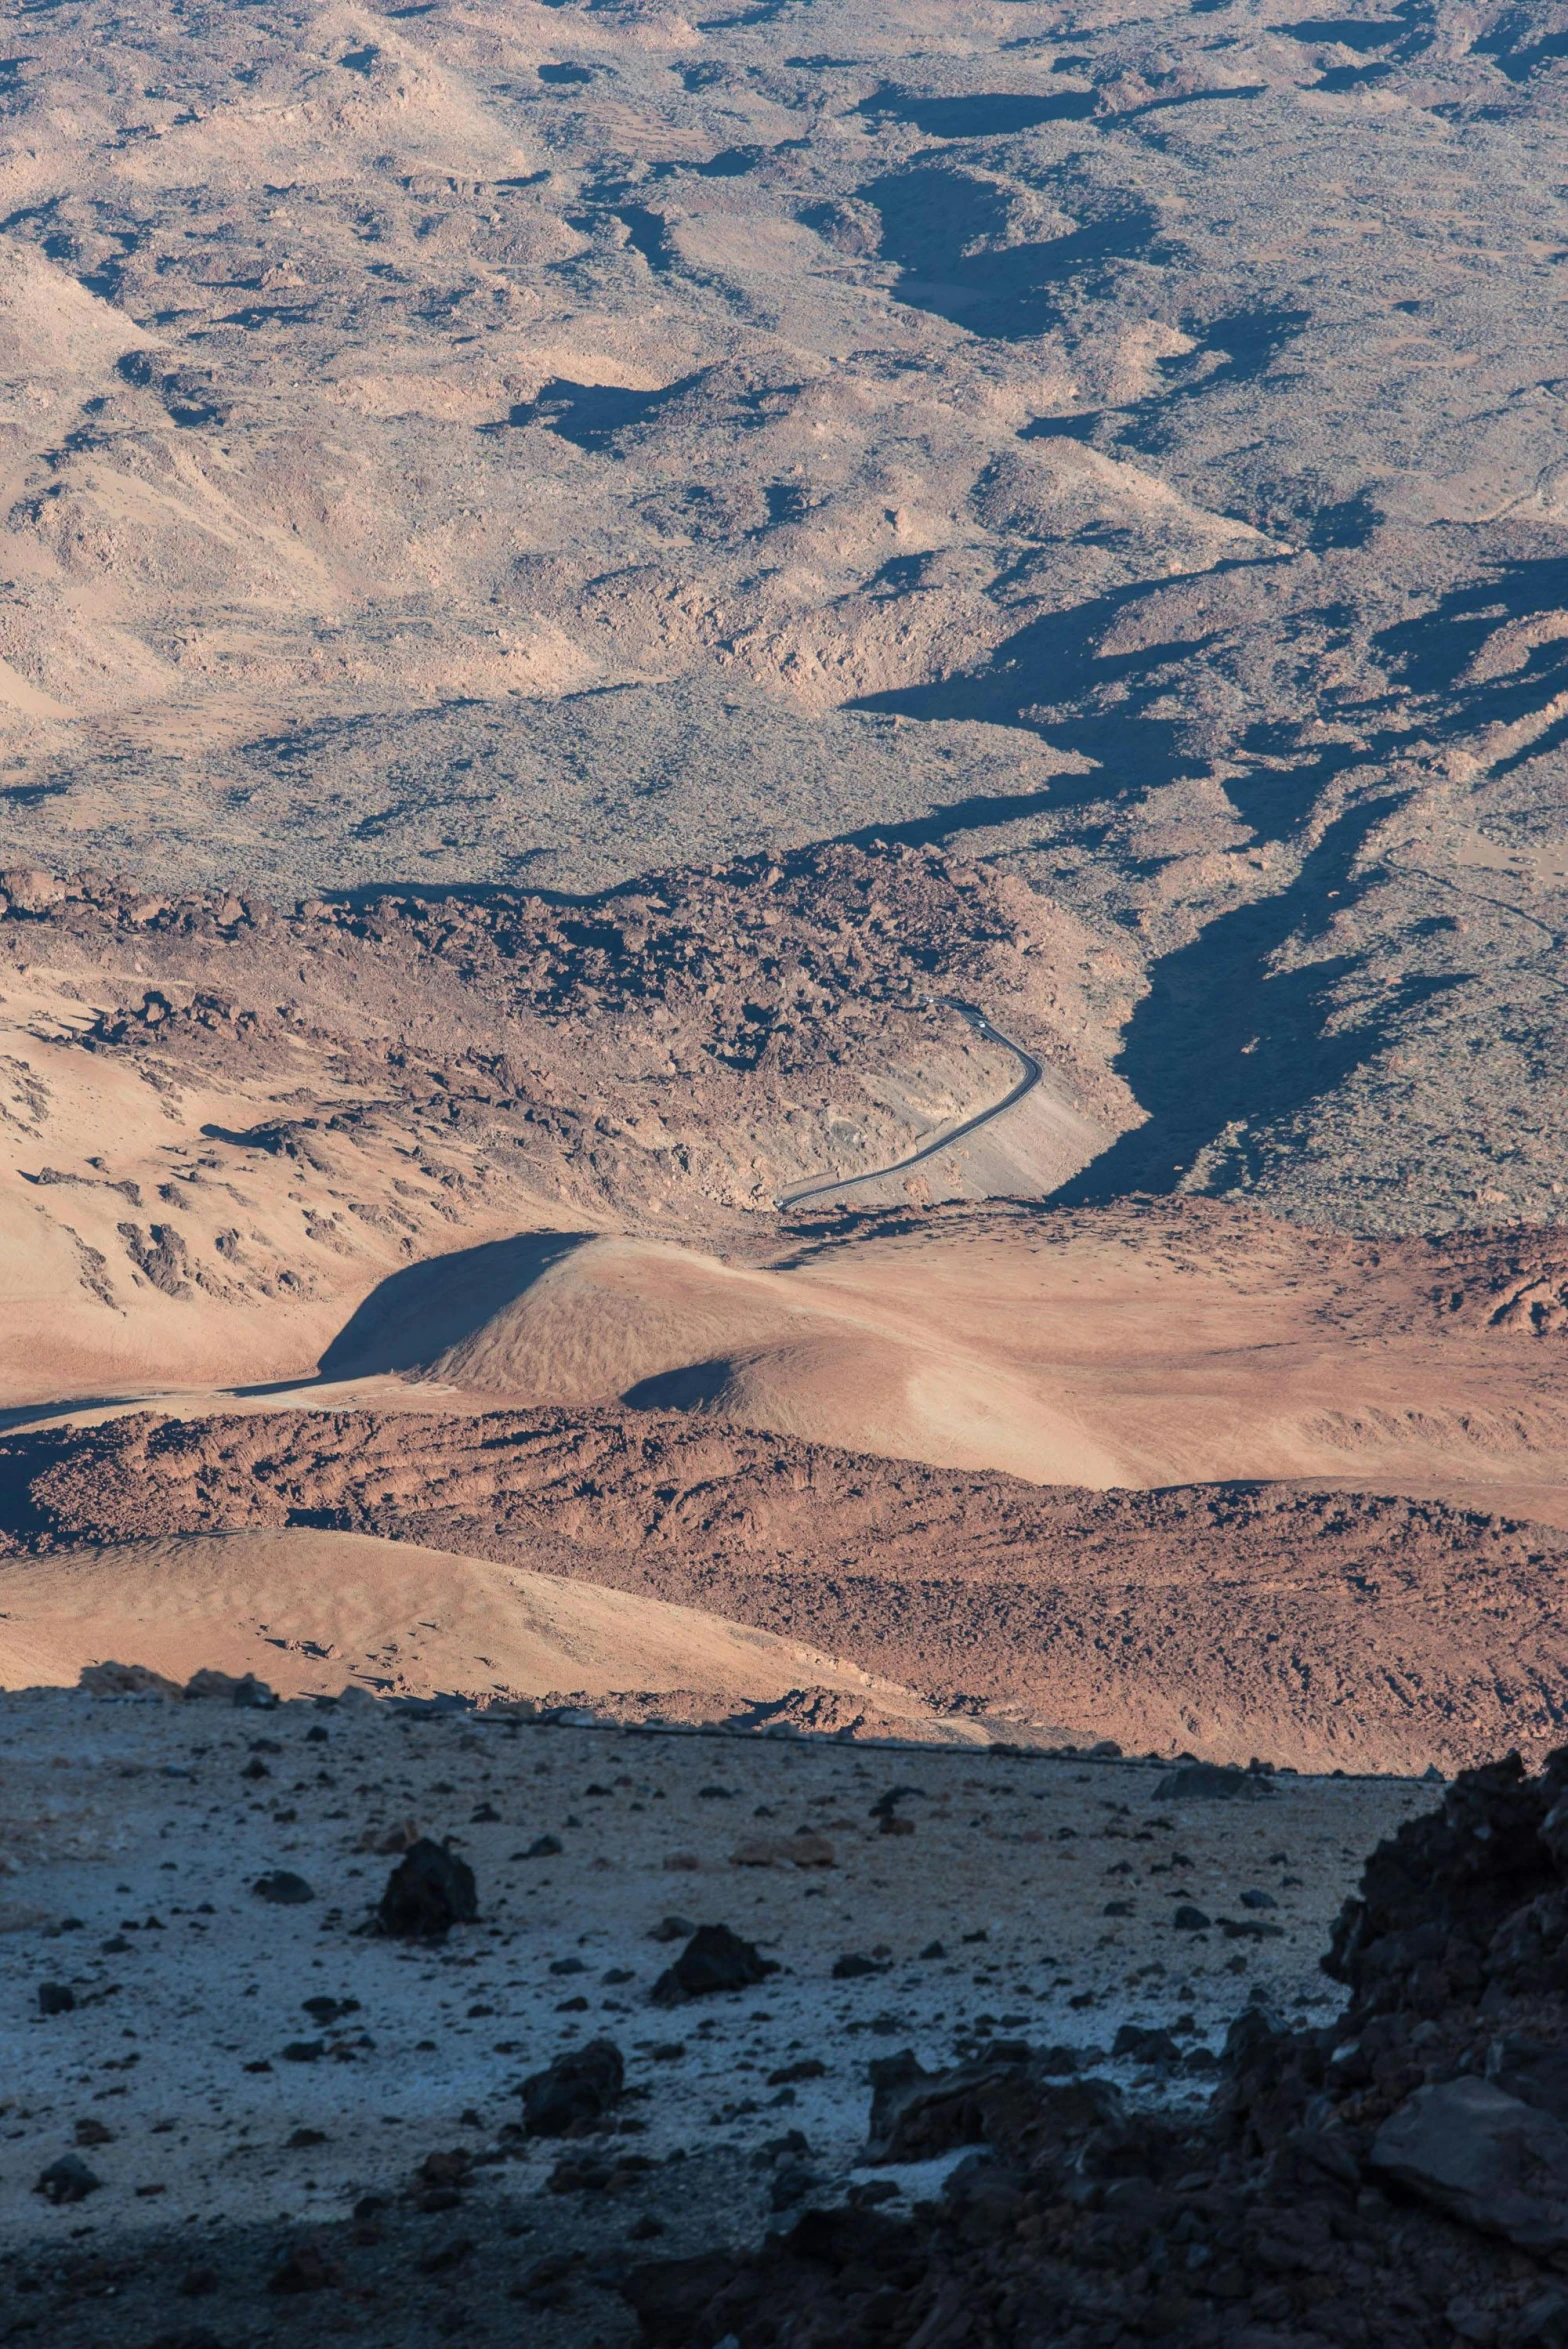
[[283, 1888], [1472, 2150], [68, 2180], [714, 1959], [1213, 1782], [428, 1892], [573, 2091], [853, 1966], [1145, 2046]]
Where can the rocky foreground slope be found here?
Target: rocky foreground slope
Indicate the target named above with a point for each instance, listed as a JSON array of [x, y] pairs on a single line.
[[783, 2043], [239, 2110], [1399, 2176]]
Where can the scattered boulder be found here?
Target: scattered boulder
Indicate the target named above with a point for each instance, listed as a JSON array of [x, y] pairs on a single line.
[[225, 1688], [1189, 1919], [111, 1679], [327, 2010], [68, 2180], [574, 2091], [1213, 1782], [714, 1959], [428, 1892], [446, 2167], [853, 1967], [808, 2067], [805, 1849], [283, 1888], [543, 1847], [1482, 2156], [1145, 2046], [886, 1804], [56, 1998]]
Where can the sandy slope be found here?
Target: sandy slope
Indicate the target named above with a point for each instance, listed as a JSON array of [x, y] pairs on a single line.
[[313, 1612], [531, 1153]]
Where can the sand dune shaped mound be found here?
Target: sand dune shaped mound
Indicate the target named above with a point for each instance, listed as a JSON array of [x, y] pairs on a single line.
[[311, 1611], [666, 1327], [1137, 1347]]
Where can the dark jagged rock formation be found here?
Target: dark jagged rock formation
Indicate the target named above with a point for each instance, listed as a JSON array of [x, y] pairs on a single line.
[[1399, 2176]]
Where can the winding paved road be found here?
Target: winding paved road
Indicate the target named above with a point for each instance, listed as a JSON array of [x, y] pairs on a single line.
[[1032, 1073]]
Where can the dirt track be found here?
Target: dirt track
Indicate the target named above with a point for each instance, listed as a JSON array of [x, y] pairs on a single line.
[[944, 1141]]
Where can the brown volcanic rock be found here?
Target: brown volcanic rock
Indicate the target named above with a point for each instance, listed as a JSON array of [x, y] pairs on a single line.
[[1321, 1630]]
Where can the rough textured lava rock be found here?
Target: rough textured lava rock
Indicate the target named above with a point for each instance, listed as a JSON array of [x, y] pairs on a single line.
[[428, 1892]]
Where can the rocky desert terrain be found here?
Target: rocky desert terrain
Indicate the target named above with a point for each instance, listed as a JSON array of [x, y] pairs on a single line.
[[555, 444], [783, 892]]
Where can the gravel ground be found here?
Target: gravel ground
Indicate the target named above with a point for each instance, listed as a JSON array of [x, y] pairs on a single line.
[[241, 2124]]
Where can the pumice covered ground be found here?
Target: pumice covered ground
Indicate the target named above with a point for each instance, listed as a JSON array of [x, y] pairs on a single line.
[[252, 2080]]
